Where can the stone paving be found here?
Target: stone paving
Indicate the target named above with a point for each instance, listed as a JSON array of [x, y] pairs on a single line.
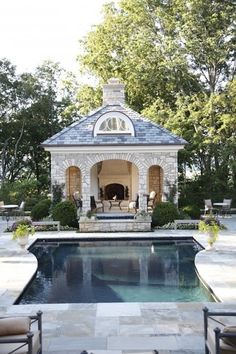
[[123, 328]]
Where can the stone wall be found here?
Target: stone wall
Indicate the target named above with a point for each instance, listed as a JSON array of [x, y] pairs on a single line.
[[114, 225]]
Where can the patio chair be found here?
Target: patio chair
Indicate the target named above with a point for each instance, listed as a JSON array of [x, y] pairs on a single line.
[[151, 200], [134, 204], [77, 200], [219, 338], [226, 209], [20, 211], [1, 207], [21, 335], [208, 207], [96, 204]]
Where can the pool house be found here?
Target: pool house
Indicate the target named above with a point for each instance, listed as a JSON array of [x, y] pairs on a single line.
[[114, 152]]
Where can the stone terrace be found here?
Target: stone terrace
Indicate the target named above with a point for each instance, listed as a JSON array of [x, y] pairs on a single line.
[[123, 328]]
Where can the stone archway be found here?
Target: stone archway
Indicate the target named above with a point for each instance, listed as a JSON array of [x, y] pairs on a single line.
[[114, 177]]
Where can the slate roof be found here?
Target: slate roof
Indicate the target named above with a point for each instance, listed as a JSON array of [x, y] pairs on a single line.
[[80, 133]]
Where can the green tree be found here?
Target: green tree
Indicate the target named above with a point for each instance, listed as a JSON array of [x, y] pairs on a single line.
[[34, 109]]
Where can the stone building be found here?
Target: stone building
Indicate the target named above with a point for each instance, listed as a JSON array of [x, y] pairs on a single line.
[[114, 151]]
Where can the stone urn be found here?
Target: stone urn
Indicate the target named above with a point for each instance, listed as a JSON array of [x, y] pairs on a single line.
[[21, 234], [23, 241], [211, 241]]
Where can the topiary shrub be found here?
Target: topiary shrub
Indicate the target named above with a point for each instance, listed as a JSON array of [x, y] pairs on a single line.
[[41, 209], [66, 213], [193, 211], [164, 213]]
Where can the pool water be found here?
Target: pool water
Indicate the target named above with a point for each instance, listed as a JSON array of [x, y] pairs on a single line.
[[115, 271]]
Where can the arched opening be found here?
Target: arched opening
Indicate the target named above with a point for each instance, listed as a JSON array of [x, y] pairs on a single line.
[[155, 181], [114, 177], [73, 180]]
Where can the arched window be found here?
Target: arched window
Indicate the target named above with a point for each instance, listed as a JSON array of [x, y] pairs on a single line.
[[113, 123]]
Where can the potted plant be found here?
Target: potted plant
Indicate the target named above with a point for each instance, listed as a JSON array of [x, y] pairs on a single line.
[[211, 226], [21, 233]]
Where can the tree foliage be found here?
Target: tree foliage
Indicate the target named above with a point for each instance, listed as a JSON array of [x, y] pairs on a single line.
[[33, 107]]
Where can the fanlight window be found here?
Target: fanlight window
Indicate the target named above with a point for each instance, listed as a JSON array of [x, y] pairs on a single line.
[[114, 124], [117, 123]]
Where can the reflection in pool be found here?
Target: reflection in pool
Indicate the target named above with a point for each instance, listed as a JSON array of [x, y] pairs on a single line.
[[115, 271]]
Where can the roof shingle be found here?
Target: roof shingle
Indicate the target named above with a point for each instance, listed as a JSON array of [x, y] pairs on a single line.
[[80, 133]]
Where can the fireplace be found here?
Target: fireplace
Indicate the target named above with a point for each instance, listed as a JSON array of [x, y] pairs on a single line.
[[114, 189]]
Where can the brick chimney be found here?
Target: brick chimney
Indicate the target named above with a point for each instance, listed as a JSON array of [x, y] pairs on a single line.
[[113, 92]]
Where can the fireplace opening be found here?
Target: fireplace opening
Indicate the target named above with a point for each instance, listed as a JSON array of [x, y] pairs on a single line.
[[115, 189]]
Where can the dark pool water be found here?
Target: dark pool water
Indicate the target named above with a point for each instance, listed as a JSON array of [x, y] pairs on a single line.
[[115, 271]]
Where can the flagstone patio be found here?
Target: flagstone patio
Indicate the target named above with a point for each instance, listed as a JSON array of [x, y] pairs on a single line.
[[123, 328]]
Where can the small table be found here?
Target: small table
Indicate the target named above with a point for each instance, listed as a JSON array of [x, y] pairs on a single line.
[[221, 205], [114, 203], [7, 208]]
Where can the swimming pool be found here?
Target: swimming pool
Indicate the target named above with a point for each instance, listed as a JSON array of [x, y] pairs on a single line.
[[111, 270]]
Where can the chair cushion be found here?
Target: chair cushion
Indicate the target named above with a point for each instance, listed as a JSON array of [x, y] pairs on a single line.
[[9, 347], [14, 325], [224, 348], [132, 205], [152, 195], [230, 340]]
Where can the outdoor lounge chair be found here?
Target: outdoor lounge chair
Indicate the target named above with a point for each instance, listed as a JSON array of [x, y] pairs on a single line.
[[219, 338], [21, 335]]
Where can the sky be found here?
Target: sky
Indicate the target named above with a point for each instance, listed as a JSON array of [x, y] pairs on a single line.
[[32, 31]]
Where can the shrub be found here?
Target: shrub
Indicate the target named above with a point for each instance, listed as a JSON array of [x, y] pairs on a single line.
[[193, 211], [66, 213], [164, 213], [41, 209]]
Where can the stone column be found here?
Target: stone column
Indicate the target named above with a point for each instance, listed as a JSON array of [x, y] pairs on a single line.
[[86, 189], [170, 178], [142, 188], [58, 174]]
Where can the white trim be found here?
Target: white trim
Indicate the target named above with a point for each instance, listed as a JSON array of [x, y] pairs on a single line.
[[113, 149], [112, 114]]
